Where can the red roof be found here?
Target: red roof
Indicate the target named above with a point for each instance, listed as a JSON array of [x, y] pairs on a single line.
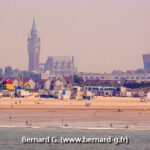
[[5, 79], [9, 81], [69, 79], [12, 79]]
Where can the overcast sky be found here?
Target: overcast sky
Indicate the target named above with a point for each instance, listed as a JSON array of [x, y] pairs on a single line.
[[103, 35]]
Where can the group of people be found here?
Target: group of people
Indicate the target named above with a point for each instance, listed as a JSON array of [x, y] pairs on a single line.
[[87, 104], [28, 124]]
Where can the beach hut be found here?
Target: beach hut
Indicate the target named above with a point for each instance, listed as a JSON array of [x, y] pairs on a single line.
[[9, 85], [19, 87]]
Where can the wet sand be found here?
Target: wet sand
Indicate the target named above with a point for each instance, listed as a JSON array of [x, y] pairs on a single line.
[[100, 113]]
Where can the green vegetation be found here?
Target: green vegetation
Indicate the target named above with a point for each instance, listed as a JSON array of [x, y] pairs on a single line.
[[103, 84], [78, 80], [137, 85]]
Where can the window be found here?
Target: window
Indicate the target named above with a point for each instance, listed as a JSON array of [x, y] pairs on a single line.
[[101, 89], [137, 78], [132, 78], [116, 78], [106, 89], [102, 78], [97, 78], [86, 78], [148, 77], [91, 78], [89, 88], [122, 78]]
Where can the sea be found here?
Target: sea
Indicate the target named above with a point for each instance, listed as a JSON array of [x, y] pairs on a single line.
[[12, 138]]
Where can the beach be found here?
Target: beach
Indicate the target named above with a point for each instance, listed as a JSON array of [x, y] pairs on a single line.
[[99, 113], [113, 117]]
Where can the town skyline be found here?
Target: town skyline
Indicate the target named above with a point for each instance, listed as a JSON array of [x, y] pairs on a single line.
[[98, 43]]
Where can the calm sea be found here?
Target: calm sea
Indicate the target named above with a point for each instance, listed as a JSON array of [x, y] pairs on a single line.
[[10, 139]]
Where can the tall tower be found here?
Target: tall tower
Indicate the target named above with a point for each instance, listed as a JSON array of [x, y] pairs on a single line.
[[34, 49], [146, 60]]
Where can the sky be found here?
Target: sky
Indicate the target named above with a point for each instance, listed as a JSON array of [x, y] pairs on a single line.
[[102, 35]]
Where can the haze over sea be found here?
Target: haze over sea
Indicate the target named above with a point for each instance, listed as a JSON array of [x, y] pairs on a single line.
[[10, 139]]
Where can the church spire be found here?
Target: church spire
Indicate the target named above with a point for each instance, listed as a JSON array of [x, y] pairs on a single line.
[[33, 30], [33, 25], [34, 49]]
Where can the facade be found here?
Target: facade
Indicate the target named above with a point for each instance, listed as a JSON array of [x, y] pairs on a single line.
[[60, 65], [28, 82], [33, 49], [43, 84], [32, 84], [146, 60], [53, 65], [117, 77], [50, 76], [15, 82], [57, 85]]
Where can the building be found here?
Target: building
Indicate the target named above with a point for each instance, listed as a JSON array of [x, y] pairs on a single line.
[[43, 84], [60, 65], [146, 60], [34, 49], [57, 85], [53, 65], [118, 77], [28, 82]]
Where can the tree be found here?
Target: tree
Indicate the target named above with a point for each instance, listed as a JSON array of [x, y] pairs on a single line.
[[78, 80], [8, 71]]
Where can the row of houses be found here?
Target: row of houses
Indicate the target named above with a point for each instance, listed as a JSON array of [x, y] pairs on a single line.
[[116, 77], [64, 88], [29, 83]]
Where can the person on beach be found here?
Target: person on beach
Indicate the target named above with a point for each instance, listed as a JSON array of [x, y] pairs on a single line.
[[62, 121], [26, 123], [119, 110], [10, 117]]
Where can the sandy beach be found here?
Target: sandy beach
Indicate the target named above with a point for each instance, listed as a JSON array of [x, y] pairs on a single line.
[[102, 112]]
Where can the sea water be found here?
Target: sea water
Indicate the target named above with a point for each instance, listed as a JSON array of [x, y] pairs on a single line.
[[11, 139]]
